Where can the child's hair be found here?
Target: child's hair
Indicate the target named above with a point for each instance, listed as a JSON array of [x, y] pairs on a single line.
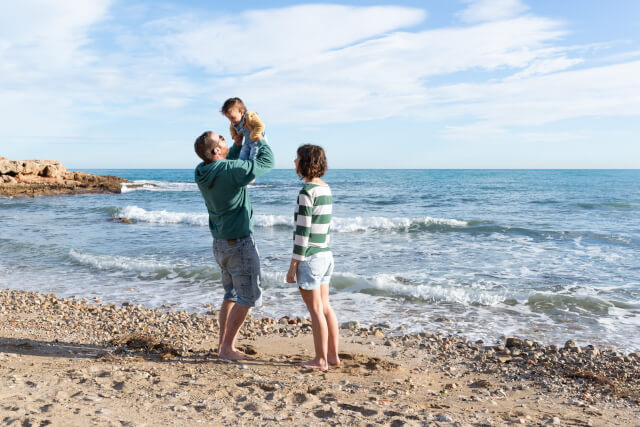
[[312, 162], [233, 102], [205, 145]]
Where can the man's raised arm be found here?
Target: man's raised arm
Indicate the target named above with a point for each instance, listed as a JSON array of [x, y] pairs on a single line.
[[234, 151], [248, 170]]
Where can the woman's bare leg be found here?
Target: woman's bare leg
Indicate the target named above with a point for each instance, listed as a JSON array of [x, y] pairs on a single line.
[[313, 300], [332, 327]]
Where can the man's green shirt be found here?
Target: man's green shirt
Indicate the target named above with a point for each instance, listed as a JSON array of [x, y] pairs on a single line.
[[223, 185]]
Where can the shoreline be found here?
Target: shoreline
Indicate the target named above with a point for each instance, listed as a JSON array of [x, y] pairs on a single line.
[[445, 324], [68, 360]]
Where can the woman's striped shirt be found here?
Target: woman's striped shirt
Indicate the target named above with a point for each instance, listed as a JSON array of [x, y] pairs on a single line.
[[312, 221]]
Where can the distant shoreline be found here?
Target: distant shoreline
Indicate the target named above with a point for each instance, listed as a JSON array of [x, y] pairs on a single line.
[[398, 169], [30, 178]]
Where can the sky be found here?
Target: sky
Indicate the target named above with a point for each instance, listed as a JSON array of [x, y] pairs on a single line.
[[406, 84]]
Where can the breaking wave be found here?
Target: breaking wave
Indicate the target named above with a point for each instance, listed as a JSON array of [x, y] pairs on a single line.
[[344, 225], [168, 186]]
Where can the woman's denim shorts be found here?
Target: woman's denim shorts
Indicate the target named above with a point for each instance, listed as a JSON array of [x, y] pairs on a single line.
[[315, 271]]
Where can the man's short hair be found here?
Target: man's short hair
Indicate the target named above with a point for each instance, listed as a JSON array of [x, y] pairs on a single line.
[[312, 162], [233, 102], [205, 145]]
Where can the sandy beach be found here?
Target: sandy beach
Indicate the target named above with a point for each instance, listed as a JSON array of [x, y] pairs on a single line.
[[77, 362]]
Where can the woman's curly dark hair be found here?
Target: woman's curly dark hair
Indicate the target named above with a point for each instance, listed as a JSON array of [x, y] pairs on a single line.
[[312, 162]]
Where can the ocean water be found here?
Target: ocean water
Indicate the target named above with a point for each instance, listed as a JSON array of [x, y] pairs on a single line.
[[547, 254]]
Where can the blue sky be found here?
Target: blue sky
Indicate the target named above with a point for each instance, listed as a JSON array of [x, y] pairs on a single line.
[[414, 84]]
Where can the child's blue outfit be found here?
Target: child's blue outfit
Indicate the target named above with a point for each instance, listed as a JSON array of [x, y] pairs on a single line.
[[252, 129]]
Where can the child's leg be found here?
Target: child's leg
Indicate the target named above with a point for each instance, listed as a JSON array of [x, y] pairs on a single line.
[[332, 327], [313, 300], [253, 149], [245, 152]]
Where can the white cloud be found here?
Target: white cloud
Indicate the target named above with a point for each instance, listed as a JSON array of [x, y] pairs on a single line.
[[547, 66], [41, 56], [549, 137], [491, 10], [309, 64], [473, 132], [53, 69], [283, 37], [610, 91], [45, 34], [389, 75]]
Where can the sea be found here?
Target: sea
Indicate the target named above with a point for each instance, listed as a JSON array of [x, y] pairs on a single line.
[[550, 255]]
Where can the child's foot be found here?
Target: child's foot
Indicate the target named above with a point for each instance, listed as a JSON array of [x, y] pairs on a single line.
[[233, 355], [312, 364]]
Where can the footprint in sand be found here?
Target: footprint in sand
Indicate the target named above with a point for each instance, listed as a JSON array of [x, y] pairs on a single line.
[[356, 361], [248, 349]]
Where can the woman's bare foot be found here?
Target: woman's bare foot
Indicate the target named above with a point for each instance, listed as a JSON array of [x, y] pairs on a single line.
[[233, 355], [334, 360], [312, 364]]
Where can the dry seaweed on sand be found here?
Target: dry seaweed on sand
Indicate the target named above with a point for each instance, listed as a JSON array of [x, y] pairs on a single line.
[[147, 343]]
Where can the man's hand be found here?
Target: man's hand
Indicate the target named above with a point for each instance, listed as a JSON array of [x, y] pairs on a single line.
[[238, 139]]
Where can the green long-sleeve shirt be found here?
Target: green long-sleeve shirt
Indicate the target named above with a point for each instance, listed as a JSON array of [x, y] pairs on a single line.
[[223, 185]]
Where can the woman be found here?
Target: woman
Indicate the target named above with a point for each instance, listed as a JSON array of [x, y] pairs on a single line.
[[312, 261]]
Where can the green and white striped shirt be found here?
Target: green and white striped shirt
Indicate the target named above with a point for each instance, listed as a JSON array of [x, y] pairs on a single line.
[[312, 221]]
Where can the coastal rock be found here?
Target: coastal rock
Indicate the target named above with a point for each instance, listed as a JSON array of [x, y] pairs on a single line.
[[47, 177], [353, 325], [9, 167], [514, 342]]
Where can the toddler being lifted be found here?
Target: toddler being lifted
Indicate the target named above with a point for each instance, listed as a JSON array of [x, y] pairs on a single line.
[[244, 125]]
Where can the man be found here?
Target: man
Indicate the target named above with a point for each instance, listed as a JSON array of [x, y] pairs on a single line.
[[222, 180]]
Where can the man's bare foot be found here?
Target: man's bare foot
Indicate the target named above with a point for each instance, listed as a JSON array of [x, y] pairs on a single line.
[[233, 355], [312, 364]]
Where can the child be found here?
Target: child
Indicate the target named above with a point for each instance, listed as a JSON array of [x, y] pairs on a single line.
[[312, 260], [244, 124]]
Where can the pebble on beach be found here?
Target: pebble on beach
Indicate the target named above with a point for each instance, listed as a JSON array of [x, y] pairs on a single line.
[[163, 364]]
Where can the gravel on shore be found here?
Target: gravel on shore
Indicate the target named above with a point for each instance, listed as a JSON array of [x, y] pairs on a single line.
[[153, 366]]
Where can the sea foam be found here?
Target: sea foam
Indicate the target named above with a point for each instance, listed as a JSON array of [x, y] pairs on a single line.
[[164, 217], [395, 286], [151, 185], [168, 186], [117, 262], [344, 225]]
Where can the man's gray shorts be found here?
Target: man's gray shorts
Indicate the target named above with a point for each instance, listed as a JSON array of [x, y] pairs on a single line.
[[239, 261]]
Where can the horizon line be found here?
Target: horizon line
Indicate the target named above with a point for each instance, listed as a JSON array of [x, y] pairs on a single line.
[[401, 169]]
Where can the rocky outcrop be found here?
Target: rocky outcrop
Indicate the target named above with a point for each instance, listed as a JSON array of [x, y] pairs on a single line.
[[48, 177]]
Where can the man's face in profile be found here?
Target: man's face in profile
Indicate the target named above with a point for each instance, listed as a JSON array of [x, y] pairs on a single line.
[[222, 145]]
